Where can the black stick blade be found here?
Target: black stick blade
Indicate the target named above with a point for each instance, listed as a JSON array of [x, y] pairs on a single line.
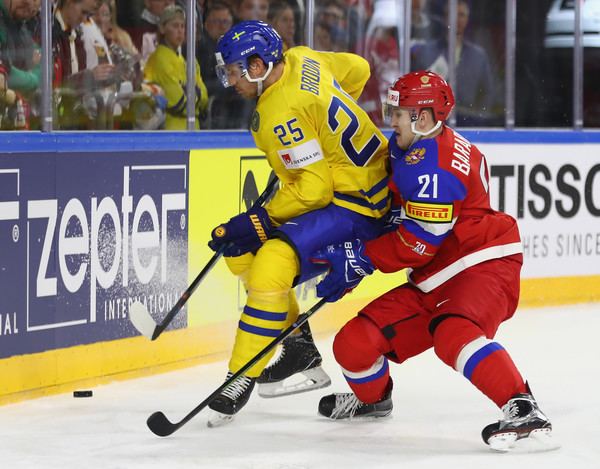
[[159, 424]]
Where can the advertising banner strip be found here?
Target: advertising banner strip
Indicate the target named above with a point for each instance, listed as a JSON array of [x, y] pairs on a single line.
[[82, 236], [554, 193], [119, 141]]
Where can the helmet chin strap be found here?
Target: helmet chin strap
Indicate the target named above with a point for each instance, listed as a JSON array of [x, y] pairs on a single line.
[[259, 80], [418, 134]]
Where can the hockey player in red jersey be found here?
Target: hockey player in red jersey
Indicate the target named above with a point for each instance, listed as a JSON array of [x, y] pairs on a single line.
[[464, 260]]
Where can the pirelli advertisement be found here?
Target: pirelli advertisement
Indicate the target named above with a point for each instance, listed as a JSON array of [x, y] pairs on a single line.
[[83, 235]]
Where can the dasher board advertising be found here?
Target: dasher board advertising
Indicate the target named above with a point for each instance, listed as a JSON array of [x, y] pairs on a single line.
[[82, 236]]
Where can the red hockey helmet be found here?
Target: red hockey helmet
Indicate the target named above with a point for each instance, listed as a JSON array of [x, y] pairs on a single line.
[[421, 90]]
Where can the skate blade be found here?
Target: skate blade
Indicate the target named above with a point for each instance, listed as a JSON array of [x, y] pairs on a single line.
[[364, 418], [217, 419], [537, 441], [315, 378]]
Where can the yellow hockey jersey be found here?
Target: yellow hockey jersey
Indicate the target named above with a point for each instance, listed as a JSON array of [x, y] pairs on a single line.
[[320, 143]]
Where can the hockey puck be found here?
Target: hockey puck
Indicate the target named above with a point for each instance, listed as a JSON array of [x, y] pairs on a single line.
[[86, 393]]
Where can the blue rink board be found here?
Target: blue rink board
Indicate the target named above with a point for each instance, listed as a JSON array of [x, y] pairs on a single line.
[[18, 142]]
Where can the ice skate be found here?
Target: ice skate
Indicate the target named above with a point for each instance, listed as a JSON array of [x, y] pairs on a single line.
[[230, 401], [297, 369], [339, 406], [524, 428]]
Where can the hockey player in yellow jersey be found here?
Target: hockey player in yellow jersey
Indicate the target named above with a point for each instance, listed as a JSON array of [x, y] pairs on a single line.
[[332, 164]]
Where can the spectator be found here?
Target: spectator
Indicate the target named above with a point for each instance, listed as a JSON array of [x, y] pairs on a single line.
[[252, 10], [18, 48], [226, 109], [144, 111], [117, 34], [475, 93], [124, 54], [95, 32], [199, 7], [12, 115], [333, 17], [71, 74], [116, 45], [167, 68], [323, 38], [219, 18], [34, 24], [424, 26], [145, 29], [5, 96], [281, 17], [382, 52]]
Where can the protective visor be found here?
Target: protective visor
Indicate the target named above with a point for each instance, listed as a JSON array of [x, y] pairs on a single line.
[[390, 105], [228, 73]]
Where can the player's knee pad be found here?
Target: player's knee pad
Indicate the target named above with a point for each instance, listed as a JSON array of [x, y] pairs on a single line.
[[359, 344], [359, 349], [450, 334], [274, 267]]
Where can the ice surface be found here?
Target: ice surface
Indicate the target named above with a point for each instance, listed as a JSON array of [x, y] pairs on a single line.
[[436, 423]]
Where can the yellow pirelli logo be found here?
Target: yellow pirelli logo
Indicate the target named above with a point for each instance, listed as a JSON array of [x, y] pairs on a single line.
[[436, 213]]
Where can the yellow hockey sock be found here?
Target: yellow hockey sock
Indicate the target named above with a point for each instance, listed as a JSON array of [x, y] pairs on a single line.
[[267, 309]]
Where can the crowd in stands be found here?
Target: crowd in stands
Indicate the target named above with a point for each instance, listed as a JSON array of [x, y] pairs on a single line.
[[121, 64]]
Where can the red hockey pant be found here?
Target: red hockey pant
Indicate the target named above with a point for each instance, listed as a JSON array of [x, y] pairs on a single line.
[[458, 319]]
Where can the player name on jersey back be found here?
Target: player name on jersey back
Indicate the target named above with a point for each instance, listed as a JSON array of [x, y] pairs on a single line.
[[310, 75], [461, 154]]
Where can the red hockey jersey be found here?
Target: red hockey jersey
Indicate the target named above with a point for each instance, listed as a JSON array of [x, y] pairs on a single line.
[[448, 225]]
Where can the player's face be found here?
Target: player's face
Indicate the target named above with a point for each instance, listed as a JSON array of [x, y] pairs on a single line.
[[400, 122], [236, 79]]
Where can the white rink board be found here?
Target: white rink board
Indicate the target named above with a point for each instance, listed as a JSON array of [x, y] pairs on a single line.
[[554, 192]]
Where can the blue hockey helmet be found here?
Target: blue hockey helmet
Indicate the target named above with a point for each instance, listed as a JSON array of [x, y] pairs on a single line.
[[244, 40]]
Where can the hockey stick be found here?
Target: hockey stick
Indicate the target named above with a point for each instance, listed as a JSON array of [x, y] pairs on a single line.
[[160, 425], [141, 317]]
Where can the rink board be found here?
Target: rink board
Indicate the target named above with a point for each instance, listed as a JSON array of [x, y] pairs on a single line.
[[63, 307]]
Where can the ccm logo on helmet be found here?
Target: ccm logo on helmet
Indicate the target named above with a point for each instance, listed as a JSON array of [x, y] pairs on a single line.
[[247, 51]]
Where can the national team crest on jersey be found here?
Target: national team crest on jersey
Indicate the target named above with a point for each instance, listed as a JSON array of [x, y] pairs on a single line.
[[301, 155], [415, 156], [432, 213], [255, 122]]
